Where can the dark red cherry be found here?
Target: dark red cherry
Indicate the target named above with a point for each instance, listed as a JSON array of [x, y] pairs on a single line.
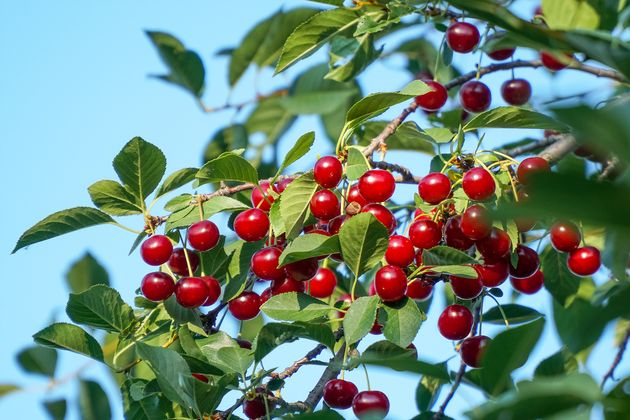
[[156, 250], [256, 408], [251, 225], [516, 91], [501, 54], [475, 96], [265, 264], [465, 288], [493, 274], [472, 350], [390, 283], [425, 233], [191, 292], [157, 286], [261, 198], [265, 295], [200, 377], [494, 246], [565, 236], [462, 37], [214, 289], [584, 261], [434, 188], [302, 270], [476, 222], [245, 306], [553, 62], [339, 393], [323, 284], [325, 205], [400, 251], [177, 263], [382, 214], [453, 235], [376, 328], [282, 185], [377, 185], [287, 285], [531, 166], [455, 322], [527, 264], [343, 302], [354, 196], [328, 171], [244, 344], [478, 184], [529, 285], [335, 224], [370, 404], [419, 289], [203, 235], [433, 100]]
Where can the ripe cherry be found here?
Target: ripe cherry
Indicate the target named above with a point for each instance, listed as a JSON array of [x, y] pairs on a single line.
[[157, 286], [472, 350], [501, 54], [462, 37], [343, 302], [584, 261], [529, 285], [245, 306], [251, 225], [325, 205], [200, 377], [419, 289], [433, 100], [156, 250], [493, 274], [177, 263], [265, 264], [494, 246], [203, 235], [465, 288], [354, 196], [335, 224], [475, 96], [565, 236], [282, 185], [370, 404], [256, 408], [302, 270], [261, 198], [390, 283], [377, 185], [453, 235], [455, 322], [400, 251], [434, 188], [478, 184], [214, 289], [376, 328], [531, 166], [476, 222], [191, 292], [323, 284], [425, 233], [382, 214], [287, 285], [516, 91], [553, 62], [328, 171], [527, 264], [339, 393], [244, 344], [265, 295]]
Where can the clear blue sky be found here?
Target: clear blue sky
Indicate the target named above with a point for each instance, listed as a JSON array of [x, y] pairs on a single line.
[[74, 89]]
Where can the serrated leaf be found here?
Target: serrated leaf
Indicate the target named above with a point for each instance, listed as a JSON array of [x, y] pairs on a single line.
[[140, 166], [227, 167], [38, 360], [225, 353], [93, 401], [180, 314], [275, 334], [175, 180], [151, 407], [359, 319], [190, 214], [69, 337], [570, 322], [356, 165], [100, 307], [363, 241], [309, 246], [299, 149], [515, 314], [513, 117], [559, 281], [434, 370], [85, 273], [295, 307], [214, 262], [295, 203], [402, 321], [114, 199], [444, 255]]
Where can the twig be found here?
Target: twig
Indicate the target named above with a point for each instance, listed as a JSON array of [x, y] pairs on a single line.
[[557, 150], [622, 348], [610, 169], [389, 129], [528, 148], [331, 372], [405, 173]]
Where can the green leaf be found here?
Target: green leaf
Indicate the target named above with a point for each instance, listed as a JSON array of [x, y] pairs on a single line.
[[407, 136], [93, 401], [232, 137], [208, 396], [295, 203], [316, 102], [180, 314], [427, 392], [299, 149], [190, 214], [559, 281], [271, 118], [570, 322], [114, 199], [60, 223], [185, 66], [438, 370], [516, 314], [360, 55], [387, 350], [56, 409], [570, 14], [175, 180], [295, 307], [225, 353], [309, 246], [6, 389], [402, 321], [148, 407], [215, 261], [456, 270], [140, 166], [69, 337], [513, 117], [100, 307], [561, 363], [227, 167], [239, 266], [275, 334], [357, 164], [38, 360], [363, 241], [359, 319], [85, 273], [444, 255], [317, 415]]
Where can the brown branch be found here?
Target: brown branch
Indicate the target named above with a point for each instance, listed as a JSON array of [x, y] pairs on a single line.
[[405, 173], [331, 372], [389, 129], [528, 148], [288, 372], [610, 169], [622, 348], [564, 145]]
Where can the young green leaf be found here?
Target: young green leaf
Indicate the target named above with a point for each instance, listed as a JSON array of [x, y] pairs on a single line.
[[360, 55], [295, 307], [309, 246], [114, 199], [299, 149], [295, 203], [85, 273], [69, 337], [357, 164], [515, 314], [513, 117], [227, 167], [570, 14], [363, 241], [140, 166], [359, 319], [456, 270], [275, 334], [100, 307], [402, 321], [175, 180]]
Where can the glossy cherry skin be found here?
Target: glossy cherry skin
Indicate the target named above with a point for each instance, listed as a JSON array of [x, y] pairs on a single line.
[[478, 184], [302, 270], [382, 214], [157, 286], [472, 350], [245, 306], [372, 404], [339, 393], [256, 408], [565, 236], [203, 235], [377, 185], [516, 91], [200, 377], [400, 251], [475, 96], [453, 235], [251, 225], [494, 246], [156, 250], [529, 285], [282, 185], [177, 263], [434, 188], [584, 261], [390, 283], [502, 54], [551, 62], [287, 285], [354, 196], [425, 233], [260, 200], [323, 284], [264, 264], [214, 290], [191, 292], [493, 274], [455, 322], [335, 224], [244, 344], [531, 166], [528, 262], [462, 37], [476, 222], [265, 295], [433, 100], [325, 205], [465, 288], [419, 289], [328, 171]]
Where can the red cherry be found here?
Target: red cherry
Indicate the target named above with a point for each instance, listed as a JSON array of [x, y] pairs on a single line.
[[377, 185], [494, 246], [475, 96], [335, 224], [516, 91], [200, 377], [328, 171], [323, 284], [282, 185], [261, 200], [418, 258], [455, 322], [584, 261], [565, 236], [478, 184], [251, 225], [244, 344], [346, 301], [372, 404], [501, 54], [531, 166], [434, 188], [493, 274], [325, 205], [339, 393], [265, 295], [214, 289], [265, 264], [419, 289], [425, 233], [400, 251], [156, 250], [191, 292], [433, 100], [245, 306], [376, 328], [465, 288], [390, 283], [472, 350], [382, 214], [302, 270], [453, 235], [529, 285], [203, 235], [527, 264], [177, 263], [354, 196], [287, 285], [553, 63], [256, 407], [372, 289], [157, 286], [476, 222], [462, 37]]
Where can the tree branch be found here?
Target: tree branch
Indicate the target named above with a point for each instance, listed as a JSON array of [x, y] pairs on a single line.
[[622, 348], [528, 148], [564, 145], [331, 372]]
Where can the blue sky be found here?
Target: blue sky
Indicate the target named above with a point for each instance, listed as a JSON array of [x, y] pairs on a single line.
[[74, 89]]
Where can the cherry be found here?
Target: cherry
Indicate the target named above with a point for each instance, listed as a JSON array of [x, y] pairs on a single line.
[[493, 274], [265, 264], [256, 408], [214, 289], [200, 377], [370, 404], [531, 166], [419, 289], [302, 270], [157, 286], [191, 292], [325, 205], [516, 91], [553, 63], [434, 188], [245, 306], [244, 344], [177, 263], [156, 250], [265, 295], [282, 185], [376, 328], [372, 289], [418, 258], [328, 171], [453, 235], [390, 283], [455, 322], [400, 251], [425, 233], [203, 235], [584, 261], [494, 246], [354, 196], [382, 214], [465, 288], [472, 350], [323, 284], [433, 100], [501, 54], [527, 264], [476, 222], [251, 225], [335, 224], [528, 285], [345, 301], [278, 241], [475, 96], [462, 37], [287, 285], [565, 236], [339, 393], [261, 198], [377, 185], [478, 184]]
